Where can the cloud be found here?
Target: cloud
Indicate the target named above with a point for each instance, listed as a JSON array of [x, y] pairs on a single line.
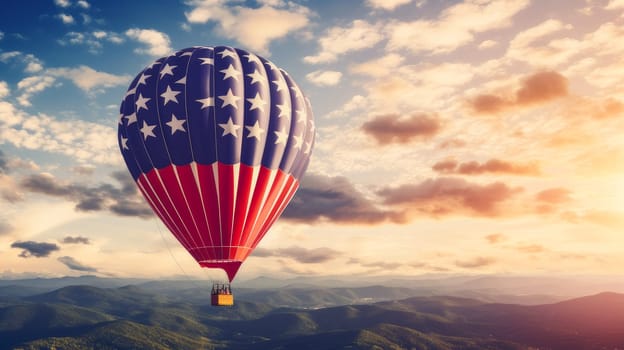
[[386, 4], [124, 201], [495, 238], [65, 18], [446, 196], [299, 254], [1, 35], [392, 128], [456, 26], [5, 228], [9, 191], [87, 78], [476, 262], [530, 248], [490, 166], [554, 195], [93, 40], [73, 264], [4, 161], [334, 199], [537, 88], [340, 40], [33, 64], [76, 240], [378, 265], [324, 78], [84, 4], [380, 67], [32, 85], [36, 249], [158, 43], [486, 44], [254, 28], [62, 3]]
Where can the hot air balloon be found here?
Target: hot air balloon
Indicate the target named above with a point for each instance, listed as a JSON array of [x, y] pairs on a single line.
[[216, 139]]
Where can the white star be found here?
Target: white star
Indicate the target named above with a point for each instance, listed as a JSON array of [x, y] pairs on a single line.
[[130, 92], [253, 58], [229, 99], [131, 118], [230, 72], [228, 53], [281, 84], [148, 130], [167, 69], [312, 125], [308, 147], [141, 102], [298, 140], [257, 102], [284, 110], [121, 117], [206, 60], [282, 137], [187, 53], [255, 131], [272, 65], [124, 142], [301, 116], [257, 77], [170, 95], [230, 128], [206, 102], [143, 78], [181, 80], [297, 91], [176, 124]]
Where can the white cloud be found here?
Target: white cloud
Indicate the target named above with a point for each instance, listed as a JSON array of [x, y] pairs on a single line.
[[62, 3], [486, 44], [615, 5], [324, 78], [454, 27], [386, 4], [340, 40], [93, 40], [65, 18], [86, 78], [158, 43], [1, 35], [33, 64], [254, 28], [379, 67], [4, 89], [6, 56], [83, 141], [84, 4], [32, 85]]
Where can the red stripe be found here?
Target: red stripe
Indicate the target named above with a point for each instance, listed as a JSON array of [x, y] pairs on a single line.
[[286, 193], [208, 189], [262, 187], [201, 236], [245, 182], [227, 200]]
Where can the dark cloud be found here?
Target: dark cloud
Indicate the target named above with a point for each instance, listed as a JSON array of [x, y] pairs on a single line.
[[490, 166], [377, 265], [335, 199], [36, 249], [479, 261], [124, 200], [75, 240], [4, 162], [392, 128], [537, 88], [72, 264], [300, 254], [495, 238], [84, 170], [445, 196]]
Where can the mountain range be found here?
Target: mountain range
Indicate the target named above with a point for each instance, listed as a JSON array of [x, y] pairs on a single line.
[[167, 315]]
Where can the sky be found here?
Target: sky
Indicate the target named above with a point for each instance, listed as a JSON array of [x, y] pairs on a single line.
[[453, 137]]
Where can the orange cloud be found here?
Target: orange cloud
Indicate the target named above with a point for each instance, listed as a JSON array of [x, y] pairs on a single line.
[[446, 196], [479, 261], [554, 195], [392, 128], [495, 238], [538, 88], [491, 166]]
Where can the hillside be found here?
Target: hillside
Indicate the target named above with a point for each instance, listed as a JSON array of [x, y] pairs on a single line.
[[130, 317]]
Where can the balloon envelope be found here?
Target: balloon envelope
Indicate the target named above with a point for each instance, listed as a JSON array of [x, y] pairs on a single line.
[[216, 139]]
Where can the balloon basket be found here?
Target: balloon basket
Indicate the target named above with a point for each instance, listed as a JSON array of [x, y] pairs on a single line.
[[221, 295]]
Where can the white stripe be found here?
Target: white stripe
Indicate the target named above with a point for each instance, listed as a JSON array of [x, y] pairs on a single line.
[[201, 196]]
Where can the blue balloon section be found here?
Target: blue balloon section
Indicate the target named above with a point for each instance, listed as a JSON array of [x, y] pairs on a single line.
[[217, 139]]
